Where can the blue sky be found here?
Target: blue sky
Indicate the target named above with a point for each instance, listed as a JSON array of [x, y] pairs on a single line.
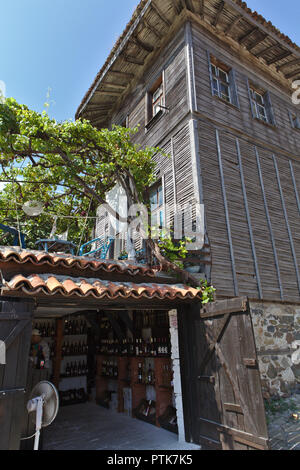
[[62, 44]]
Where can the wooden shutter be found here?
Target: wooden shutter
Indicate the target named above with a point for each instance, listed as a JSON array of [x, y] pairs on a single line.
[[222, 397], [233, 88], [210, 72], [15, 331], [250, 99], [269, 109]]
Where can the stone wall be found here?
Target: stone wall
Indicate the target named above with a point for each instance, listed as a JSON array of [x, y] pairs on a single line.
[[277, 334]]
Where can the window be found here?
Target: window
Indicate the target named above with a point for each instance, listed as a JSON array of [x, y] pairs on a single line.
[[295, 121], [221, 86], [155, 100], [223, 81], [157, 206], [259, 105]]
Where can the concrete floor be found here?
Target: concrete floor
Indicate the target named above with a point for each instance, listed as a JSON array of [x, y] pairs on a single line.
[[91, 427]]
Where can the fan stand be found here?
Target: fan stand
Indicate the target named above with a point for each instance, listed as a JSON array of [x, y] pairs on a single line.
[[36, 404]]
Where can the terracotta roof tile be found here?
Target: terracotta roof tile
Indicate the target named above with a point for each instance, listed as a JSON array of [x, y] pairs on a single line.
[[49, 285], [39, 258]]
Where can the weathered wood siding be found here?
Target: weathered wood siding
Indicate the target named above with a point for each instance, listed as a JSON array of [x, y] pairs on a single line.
[[256, 248], [171, 62], [282, 135]]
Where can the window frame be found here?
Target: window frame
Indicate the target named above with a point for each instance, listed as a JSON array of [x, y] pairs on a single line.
[[217, 91], [215, 67], [295, 120], [256, 106], [151, 115], [159, 211]]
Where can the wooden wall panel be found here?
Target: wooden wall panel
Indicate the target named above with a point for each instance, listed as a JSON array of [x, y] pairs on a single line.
[[221, 274], [260, 228], [282, 135]]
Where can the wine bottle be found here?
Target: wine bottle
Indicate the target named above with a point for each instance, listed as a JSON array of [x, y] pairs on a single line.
[[140, 373]]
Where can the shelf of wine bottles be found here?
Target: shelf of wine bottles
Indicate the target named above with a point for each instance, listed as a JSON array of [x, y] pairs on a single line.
[[79, 348], [75, 327], [153, 347], [75, 369], [110, 369], [47, 328]]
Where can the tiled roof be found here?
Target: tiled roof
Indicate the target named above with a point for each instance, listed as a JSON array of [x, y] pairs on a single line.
[[50, 285], [39, 274], [40, 258]]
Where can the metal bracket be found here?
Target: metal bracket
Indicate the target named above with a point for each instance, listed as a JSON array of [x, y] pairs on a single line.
[[3, 393]]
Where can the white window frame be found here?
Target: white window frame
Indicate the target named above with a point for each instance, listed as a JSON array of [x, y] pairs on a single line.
[[218, 81], [259, 106]]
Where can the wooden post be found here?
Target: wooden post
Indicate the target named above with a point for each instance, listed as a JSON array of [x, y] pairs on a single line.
[[58, 348]]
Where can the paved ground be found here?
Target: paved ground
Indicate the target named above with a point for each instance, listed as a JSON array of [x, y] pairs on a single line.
[[105, 430], [284, 431]]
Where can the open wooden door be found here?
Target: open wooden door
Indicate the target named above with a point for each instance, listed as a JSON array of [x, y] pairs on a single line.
[[222, 396], [15, 332]]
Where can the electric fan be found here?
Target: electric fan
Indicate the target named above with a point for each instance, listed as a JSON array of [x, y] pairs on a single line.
[[43, 406]]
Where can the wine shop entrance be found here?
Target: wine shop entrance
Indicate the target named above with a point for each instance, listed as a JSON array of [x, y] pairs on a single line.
[[118, 366]]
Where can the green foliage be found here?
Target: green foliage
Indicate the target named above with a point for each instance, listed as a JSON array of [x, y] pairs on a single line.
[[172, 249], [207, 292], [69, 166]]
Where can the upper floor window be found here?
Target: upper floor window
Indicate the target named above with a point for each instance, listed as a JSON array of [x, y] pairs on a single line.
[[295, 120], [223, 81], [155, 99], [260, 103], [221, 86]]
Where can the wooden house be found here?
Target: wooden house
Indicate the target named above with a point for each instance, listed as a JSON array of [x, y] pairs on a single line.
[[211, 83]]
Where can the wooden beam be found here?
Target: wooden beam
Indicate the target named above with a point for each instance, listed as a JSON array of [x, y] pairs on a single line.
[[160, 14], [268, 49], [233, 24], [108, 92], [257, 42], [280, 57], [177, 6], [293, 74], [288, 64], [132, 60], [152, 29], [147, 47], [244, 38], [123, 74], [188, 4], [201, 9], [219, 13], [114, 85]]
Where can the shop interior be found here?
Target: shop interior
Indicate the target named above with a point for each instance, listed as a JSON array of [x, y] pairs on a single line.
[[120, 361]]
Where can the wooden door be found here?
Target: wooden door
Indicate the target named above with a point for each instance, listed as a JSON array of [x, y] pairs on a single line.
[[15, 331], [222, 396]]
